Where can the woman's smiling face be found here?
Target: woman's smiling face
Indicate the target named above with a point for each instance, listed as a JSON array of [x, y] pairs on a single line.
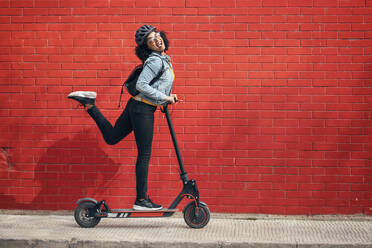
[[155, 42]]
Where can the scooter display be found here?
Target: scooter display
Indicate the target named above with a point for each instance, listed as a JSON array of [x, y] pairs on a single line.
[[196, 214]]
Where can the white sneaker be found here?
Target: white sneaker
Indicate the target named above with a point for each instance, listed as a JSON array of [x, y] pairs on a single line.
[[146, 204], [83, 97]]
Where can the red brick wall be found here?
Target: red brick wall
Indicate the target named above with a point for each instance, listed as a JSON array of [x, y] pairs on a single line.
[[276, 115]]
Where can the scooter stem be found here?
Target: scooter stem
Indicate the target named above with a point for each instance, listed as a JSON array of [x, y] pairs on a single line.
[[183, 173]]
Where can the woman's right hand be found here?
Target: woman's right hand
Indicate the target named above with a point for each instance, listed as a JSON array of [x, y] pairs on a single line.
[[171, 99]]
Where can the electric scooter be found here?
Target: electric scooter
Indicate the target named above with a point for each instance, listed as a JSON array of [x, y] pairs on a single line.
[[196, 214]]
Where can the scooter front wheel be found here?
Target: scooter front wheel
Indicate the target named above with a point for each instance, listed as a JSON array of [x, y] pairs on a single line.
[[84, 215], [196, 217]]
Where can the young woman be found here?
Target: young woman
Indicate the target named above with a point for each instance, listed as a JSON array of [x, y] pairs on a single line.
[[138, 115]]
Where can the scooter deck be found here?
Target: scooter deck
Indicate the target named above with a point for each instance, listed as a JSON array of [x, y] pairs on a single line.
[[127, 213], [131, 210]]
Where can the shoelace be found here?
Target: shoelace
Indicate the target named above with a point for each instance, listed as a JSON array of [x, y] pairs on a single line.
[[148, 199]]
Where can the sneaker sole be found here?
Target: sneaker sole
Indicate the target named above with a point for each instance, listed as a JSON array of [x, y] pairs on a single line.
[[136, 207], [83, 94]]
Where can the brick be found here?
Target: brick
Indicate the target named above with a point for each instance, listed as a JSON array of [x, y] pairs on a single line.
[[312, 43], [235, 11], [325, 3], [235, 27], [248, 3], [59, 27], [21, 4], [300, 67], [210, 27], [35, 27], [236, 43], [222, 4], [261, 27], [360, 27], [287, 11], [71, 3], [46, 4], [350, 19], [355, 3], [261, 43], [287, 27], [97, 4], [315, 27], [273, 3], [273, 19], [196, 3], [338, 27], [287, 43], [294, 3], [274, 35], [121, 3]]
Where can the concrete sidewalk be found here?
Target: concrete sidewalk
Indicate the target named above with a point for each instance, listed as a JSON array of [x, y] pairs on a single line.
[[222, 231]]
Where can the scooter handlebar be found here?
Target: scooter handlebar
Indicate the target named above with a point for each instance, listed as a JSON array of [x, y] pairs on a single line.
[[168, 103]]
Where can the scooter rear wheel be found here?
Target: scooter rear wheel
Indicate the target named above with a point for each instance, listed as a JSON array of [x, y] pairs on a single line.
[[196, 219], [83, 215]]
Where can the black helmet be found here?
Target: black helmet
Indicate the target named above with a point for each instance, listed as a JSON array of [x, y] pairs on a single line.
[[142, 33]]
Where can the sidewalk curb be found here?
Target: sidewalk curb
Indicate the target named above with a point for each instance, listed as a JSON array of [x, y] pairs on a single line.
[[11, 243], [42, 230], [239, 216]]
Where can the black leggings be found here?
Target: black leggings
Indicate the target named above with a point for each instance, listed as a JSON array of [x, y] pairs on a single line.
[[138, 117]]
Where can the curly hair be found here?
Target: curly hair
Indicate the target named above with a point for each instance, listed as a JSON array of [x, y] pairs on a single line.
[[143, 52]]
